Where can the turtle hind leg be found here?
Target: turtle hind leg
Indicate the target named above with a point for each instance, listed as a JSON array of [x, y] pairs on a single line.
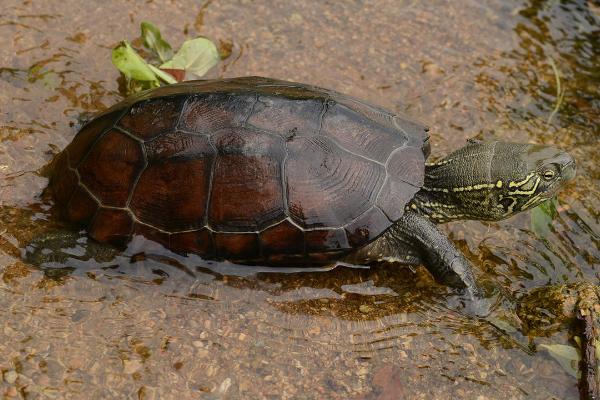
[[57, 246]]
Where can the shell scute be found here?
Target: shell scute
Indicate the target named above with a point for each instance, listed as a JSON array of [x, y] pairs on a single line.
[[287, 117], [111, 168], [89, 133], [178, 146], [367, 227], [209, 112], [326, 186], [81, 207], [237, 246], [326, 240], [418, 134], [149, 118], [404, 180], [283, 238], [152, 234], [200, 242], [395, 192], [63, 187], [406, 164], [361, 135], [172, 194], [111, 226], [246, 190]]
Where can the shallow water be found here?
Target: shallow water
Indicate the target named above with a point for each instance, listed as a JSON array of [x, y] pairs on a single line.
[[186, 328]]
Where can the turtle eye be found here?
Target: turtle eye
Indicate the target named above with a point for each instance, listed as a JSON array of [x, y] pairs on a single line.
[[549, 174]]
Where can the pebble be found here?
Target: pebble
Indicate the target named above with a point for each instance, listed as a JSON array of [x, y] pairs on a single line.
[[433, 70], [365, 308], [202, 353], [43, 380], [10, 376], [296, 19], [11, 392], [224, 387], [131, 366]]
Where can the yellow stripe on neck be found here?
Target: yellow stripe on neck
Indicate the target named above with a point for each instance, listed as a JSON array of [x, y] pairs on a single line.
[[521, 183]]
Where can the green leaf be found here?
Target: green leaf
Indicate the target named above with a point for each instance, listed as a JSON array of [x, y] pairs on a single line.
[[163, 75], [567, 356], [542, 217], [195, 56], [154, 41], [125, 58], [134, 86]]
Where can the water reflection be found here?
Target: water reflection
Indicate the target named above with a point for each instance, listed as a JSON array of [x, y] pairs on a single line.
[[376, 297]]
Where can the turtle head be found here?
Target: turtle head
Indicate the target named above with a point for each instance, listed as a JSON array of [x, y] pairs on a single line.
[[493, 180], [539, 173]]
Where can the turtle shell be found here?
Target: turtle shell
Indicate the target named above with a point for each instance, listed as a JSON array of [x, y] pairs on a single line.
[[251, 169]]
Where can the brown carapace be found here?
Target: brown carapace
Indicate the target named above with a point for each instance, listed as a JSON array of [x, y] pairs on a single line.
[[251, 170]]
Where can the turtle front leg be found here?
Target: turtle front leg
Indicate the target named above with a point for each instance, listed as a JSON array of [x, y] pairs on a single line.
[[414, 240], [442, 258]]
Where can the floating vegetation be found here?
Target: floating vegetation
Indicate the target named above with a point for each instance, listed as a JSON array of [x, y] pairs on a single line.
[[567, 356], [579, 306], [191, 61], [542, 217]]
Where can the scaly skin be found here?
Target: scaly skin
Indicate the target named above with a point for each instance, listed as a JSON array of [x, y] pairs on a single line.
[[486, 181], [490, 181]]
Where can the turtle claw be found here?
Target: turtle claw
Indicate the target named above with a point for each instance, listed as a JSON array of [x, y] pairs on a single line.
[[479, 306]]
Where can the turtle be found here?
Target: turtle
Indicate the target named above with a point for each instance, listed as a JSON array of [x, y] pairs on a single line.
[[260, 171]]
